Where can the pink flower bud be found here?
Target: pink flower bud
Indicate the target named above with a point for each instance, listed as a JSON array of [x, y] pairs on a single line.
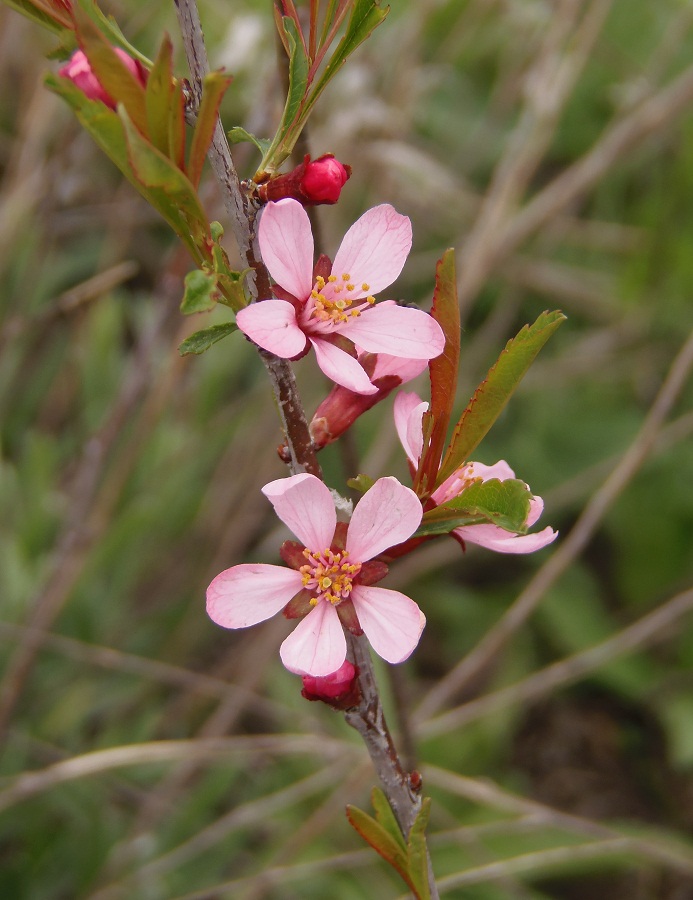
[[311, 183], [340, 689], [78, 69], [324, 179]]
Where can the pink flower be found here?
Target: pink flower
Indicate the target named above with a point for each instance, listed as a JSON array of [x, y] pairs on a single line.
[[409, 410], [325, 312], [330, 582], [78, 69]]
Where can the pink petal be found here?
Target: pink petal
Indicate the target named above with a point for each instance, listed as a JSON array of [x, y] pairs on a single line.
[[409, 410], [272, 324], [397, 330], [286, 245], [392, 622], [500, 470], [493, 538], [342, 368], [404, 369], [374, 250], [317, 645], [247, 594], [305, 505], [536, 508], [387, 514]]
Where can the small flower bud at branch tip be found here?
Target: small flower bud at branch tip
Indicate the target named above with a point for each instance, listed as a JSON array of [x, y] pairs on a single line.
[[79, 71]]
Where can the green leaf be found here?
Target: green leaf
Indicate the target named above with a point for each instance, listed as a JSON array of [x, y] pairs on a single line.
[[159, 96], [495, 502], [116, 78], [365, 17], [417, 852], [177, 202], [443, 372], [386, 817], [361, 483], [176, 128], [380, 840], [55, 20], [238, 135], [213, 88], [493, 393], [168, 190], [296, 94], [200, 292], [203, 340], [111, 30]]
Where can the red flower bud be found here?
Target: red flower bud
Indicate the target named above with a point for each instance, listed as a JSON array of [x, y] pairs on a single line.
[[324, 179], [78, 69], [340, 689], [311, 183]]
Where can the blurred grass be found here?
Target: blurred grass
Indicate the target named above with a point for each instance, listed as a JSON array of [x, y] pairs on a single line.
[[130, 477]]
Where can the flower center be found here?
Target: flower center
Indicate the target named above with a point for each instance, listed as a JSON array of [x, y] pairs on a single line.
[[331, 300], [328, 574]]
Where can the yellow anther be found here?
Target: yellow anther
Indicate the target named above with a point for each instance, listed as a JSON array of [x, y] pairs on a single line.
[[346, 277], [370, 300], [355, 313], [350, 287], [365, 287], [331, 278], [320, 281]]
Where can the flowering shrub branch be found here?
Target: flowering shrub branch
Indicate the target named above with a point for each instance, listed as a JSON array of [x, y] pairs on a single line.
[[287, 303]]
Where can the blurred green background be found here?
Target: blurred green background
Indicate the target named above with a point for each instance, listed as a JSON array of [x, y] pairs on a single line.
[[551, 143]]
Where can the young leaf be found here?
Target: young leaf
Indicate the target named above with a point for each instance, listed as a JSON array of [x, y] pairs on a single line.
[[238, 135], [501, 503], [385, 816], [176, 127], [52, 17], [203, 340], [493, 393], [200, 292], [380, 840], [417, 852], [159, 95], [113, 74], [361, 483], [212, 92], [365, 17], [168, 190], [298, 85], [443, 370]]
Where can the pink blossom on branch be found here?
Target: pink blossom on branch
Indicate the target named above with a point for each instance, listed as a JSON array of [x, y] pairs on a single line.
[[331, 313], [409, 410], [330, 582], [79, 71]]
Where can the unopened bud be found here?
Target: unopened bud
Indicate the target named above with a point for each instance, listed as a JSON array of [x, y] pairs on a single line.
[[79, 71], [342, 407], [339, 689], [313, 182], [324, 179]]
